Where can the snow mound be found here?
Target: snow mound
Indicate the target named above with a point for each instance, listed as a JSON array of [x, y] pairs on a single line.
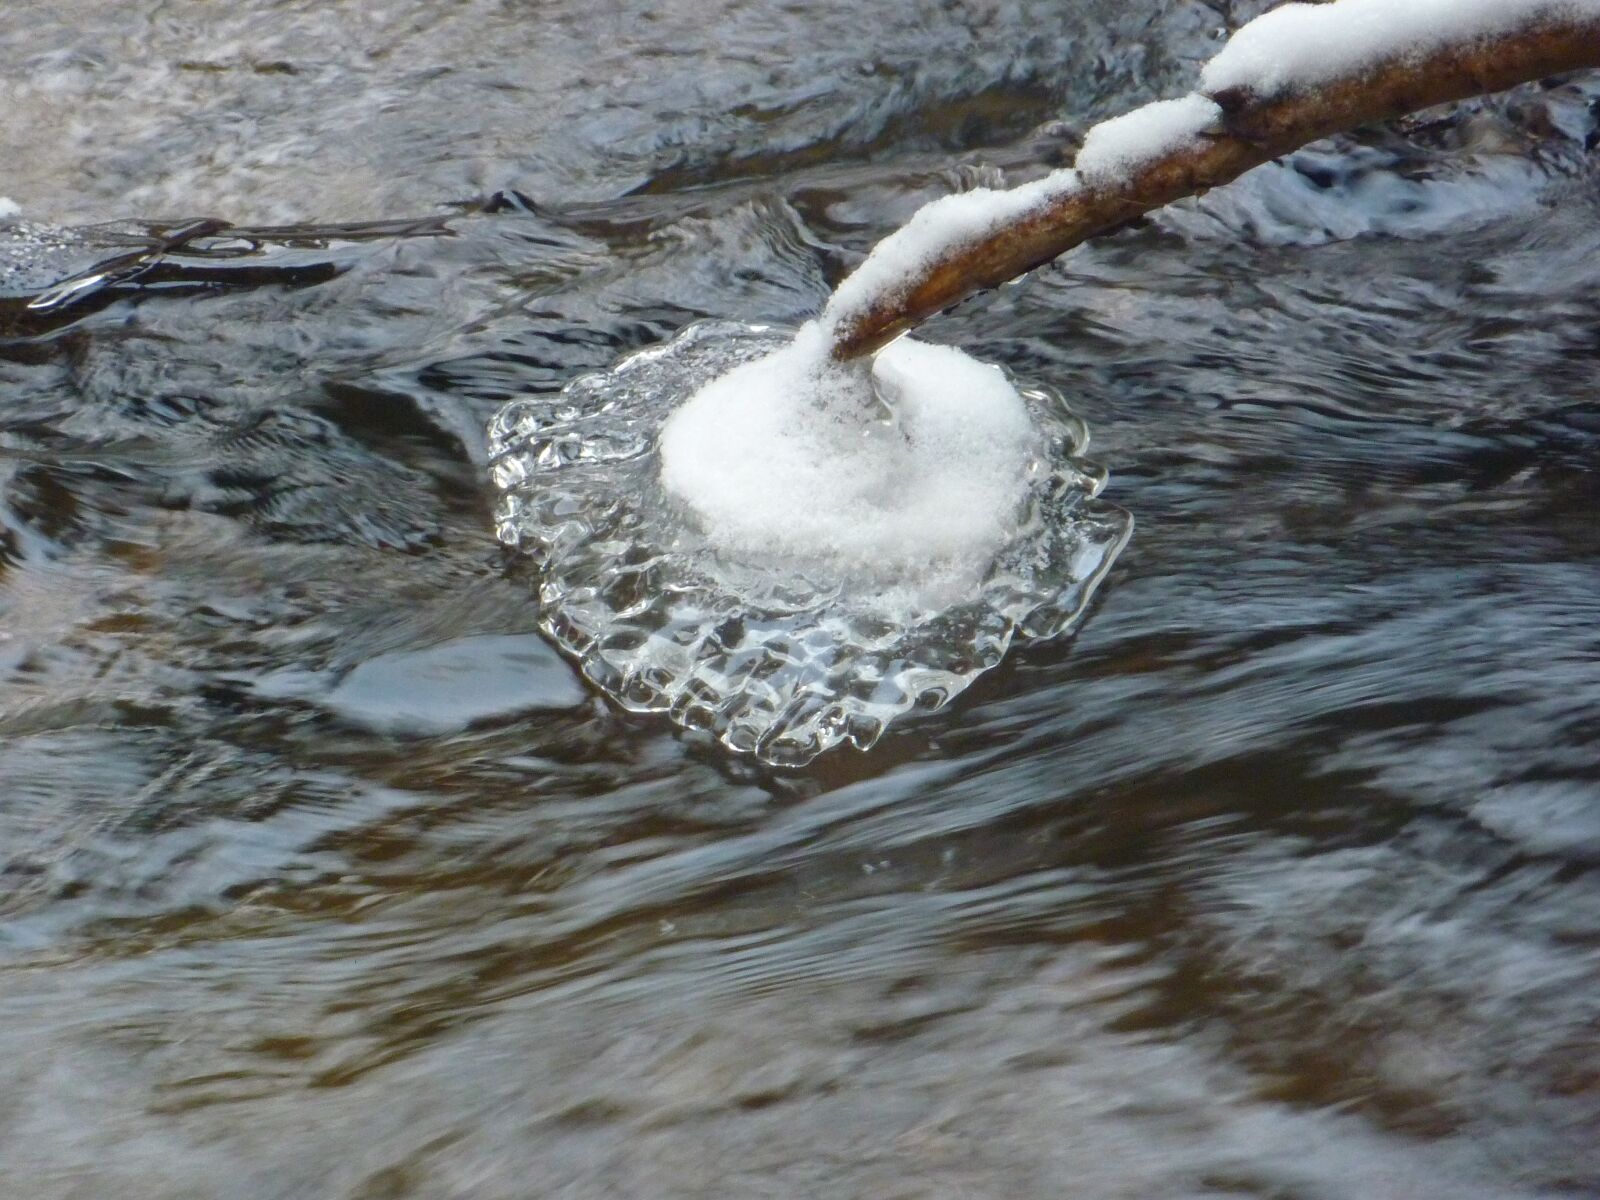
[[775, 459]]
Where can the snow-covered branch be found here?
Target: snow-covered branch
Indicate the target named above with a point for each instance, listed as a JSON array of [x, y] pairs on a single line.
[[1297, 74]]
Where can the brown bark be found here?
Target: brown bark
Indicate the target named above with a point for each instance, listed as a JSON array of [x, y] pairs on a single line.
[[1253, 131]]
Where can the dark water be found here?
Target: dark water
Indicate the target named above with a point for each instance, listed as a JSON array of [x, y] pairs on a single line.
[[322, 876]]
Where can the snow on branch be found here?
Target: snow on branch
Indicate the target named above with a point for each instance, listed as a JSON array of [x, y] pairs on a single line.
[[1299, 73]]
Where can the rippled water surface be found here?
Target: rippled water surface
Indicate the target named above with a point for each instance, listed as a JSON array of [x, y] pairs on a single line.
[[323, 875]]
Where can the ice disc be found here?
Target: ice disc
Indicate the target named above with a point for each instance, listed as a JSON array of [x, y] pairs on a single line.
[[778, 655]]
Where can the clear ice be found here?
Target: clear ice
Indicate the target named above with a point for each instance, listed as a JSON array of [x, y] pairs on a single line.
[[777, 656]]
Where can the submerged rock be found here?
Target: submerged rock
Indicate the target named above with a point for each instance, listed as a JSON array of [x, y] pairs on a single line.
[[439, 689]]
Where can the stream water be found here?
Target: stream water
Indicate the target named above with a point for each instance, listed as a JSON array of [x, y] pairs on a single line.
[[322, 875]]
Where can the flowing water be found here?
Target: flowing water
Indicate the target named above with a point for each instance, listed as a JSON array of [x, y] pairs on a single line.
[[323, 875]]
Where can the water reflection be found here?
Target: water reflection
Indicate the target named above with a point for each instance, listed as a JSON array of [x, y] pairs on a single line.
[[1279, 881]]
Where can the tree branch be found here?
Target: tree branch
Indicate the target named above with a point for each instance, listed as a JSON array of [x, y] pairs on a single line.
[[1252, 130]]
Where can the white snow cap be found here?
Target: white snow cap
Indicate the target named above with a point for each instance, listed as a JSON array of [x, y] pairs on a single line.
[[1116, 148], [935, 229], [1301, 46], [1112, 150]]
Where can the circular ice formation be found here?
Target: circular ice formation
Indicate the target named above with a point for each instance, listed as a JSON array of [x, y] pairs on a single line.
[[784, 646], [790, 456]]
